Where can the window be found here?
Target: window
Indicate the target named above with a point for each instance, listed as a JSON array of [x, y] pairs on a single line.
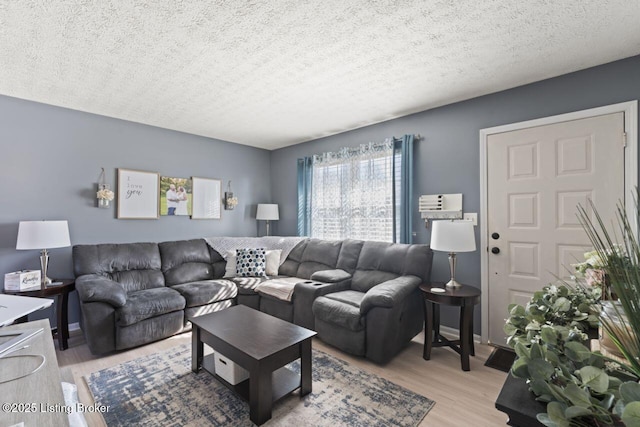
[[353, 193]]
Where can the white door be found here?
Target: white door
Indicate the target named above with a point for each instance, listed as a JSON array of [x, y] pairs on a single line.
[[536, 177]]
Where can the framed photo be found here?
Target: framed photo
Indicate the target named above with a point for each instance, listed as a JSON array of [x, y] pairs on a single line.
[[175, 196], [207, 198], [137, 194]]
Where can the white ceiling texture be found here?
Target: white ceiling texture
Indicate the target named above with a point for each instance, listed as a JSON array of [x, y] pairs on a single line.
[[272, 73]]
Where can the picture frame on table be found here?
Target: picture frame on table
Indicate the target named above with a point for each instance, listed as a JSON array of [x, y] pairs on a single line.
[[207, 198], [138, 194]]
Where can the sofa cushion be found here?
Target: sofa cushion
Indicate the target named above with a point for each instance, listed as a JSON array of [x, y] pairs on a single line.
[[186, 261], [418, 262], [247, 285], [319, 255], [363, 280], [250, 262], [280, 287], [340, 309], [380, 261], [206, 291], [349, 254], [290, 265], [137, 280], [135, 266], [310, 256], [353, 298], [149, 303]]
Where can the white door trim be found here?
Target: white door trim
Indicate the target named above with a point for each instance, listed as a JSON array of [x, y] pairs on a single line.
[[630, 110]]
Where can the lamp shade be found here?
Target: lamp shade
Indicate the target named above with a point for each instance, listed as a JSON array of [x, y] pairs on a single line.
[[267, 212], [453, 236], [43, 235]]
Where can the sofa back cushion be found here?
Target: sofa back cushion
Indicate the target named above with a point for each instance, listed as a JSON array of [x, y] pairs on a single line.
[[380, 261], [349, 254], [135, 266], [291, 264], [185, 261], [310, 256]]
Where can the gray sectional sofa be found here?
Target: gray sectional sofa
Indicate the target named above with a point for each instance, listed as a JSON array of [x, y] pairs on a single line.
[[361, 297]]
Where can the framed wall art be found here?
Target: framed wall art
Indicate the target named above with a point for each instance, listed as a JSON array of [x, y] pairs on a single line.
[[138, 194], [175, 196], [207, 198]]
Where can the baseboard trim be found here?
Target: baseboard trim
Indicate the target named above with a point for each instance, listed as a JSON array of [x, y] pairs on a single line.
[[443, 329], [456, 333]]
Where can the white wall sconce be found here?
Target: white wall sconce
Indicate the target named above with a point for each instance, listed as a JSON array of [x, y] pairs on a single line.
[[104, 194], [230, 201]]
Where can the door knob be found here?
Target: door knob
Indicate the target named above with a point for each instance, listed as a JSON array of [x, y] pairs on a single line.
[[495, 236], [495, 250]]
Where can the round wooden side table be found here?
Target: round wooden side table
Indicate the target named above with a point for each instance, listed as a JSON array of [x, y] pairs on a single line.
[[61, 292], [465, 297]]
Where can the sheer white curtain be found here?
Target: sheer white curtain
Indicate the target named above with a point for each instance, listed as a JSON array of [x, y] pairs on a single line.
[[352, 193]]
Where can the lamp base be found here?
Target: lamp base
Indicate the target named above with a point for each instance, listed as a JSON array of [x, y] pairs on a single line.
[[44, 264], [453, 284]]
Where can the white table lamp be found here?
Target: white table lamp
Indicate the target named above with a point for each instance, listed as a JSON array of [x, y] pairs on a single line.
[[43, 235], [453, 237], [267, 212]]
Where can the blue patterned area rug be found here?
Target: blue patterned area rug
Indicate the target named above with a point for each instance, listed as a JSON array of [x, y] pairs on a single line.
[[161, 390]]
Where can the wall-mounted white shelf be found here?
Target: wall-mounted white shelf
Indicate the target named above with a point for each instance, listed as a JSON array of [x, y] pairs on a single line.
[[440, 206]]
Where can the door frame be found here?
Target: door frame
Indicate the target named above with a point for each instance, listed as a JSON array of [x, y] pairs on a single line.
[[630, 110]]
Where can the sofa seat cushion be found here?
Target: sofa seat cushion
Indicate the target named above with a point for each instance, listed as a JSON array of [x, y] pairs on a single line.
[[149, 303], [280, 287], [247, 285], [341, 309], [204, 292]]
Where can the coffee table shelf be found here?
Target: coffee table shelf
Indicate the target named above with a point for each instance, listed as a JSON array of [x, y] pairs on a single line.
[[283, 382]]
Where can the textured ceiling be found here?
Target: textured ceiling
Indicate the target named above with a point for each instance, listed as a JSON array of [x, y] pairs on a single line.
[[273, 73]]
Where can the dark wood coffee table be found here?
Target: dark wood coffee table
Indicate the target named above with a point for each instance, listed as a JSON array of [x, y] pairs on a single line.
[[262, 345]]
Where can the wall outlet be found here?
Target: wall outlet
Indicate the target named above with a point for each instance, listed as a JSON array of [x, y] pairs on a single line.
[[473, 217]]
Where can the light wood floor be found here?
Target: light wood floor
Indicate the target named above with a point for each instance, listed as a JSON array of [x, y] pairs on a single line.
[[462, 398]]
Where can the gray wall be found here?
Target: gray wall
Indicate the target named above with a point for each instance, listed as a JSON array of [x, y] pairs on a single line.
[[447, 158], [51, 159], [50, 165]]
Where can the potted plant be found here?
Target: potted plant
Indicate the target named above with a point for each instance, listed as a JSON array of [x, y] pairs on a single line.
[[582, 387]]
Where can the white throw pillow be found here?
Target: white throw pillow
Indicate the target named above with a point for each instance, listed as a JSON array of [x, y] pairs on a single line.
[[272, 261], [230, 269]]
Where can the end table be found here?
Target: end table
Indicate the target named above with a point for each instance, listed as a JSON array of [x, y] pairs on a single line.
[[464, 297], [61, 292]]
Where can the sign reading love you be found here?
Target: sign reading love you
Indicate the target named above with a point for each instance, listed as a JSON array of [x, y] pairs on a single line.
[[138, 194]]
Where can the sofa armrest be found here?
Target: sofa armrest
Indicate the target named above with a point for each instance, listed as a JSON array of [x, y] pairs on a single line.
[[330, 276], [96, 288], [390, 293]]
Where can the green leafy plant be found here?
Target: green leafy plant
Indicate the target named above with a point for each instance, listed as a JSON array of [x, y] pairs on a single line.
[[623, 271], [556, 304], [582, 387]]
